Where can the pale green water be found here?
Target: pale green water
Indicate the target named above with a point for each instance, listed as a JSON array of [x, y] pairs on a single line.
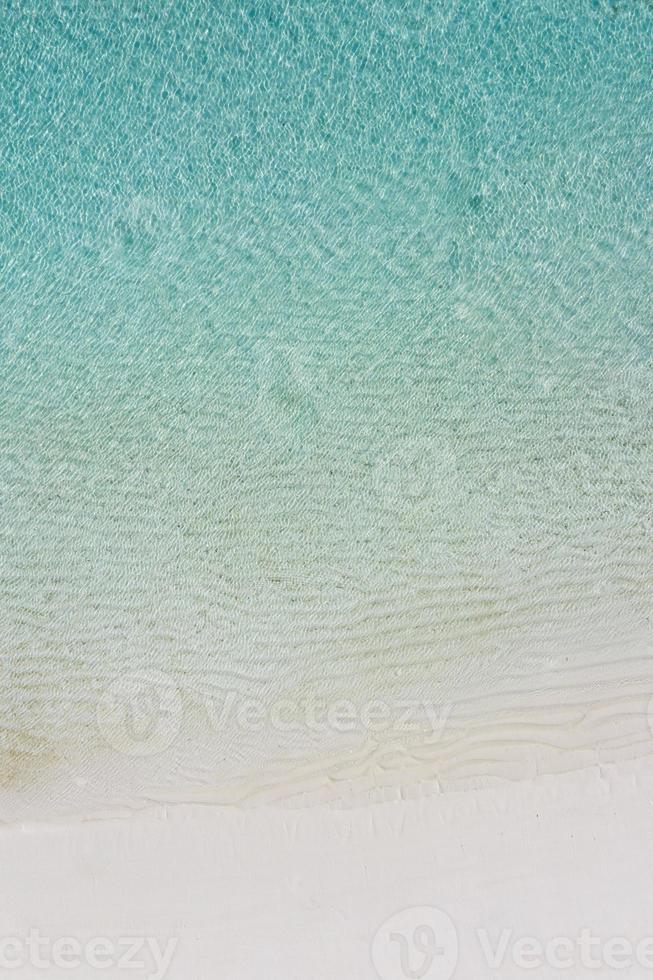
[[327, 354]]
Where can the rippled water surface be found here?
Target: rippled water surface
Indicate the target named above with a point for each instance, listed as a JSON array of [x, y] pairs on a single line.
[[326, 348]]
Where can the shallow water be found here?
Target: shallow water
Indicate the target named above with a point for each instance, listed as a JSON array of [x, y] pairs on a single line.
[[327, 354]]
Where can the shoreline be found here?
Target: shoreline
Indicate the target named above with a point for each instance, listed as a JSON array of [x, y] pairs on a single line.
[[570, 719], [515, 839], [316, 892]]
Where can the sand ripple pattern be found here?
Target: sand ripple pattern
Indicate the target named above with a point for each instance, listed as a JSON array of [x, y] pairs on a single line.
[[327, 362]]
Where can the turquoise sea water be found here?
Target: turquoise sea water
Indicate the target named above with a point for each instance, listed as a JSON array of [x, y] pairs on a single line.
[[326, 347]]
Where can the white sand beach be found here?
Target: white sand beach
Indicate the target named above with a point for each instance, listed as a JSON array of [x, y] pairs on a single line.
[[517, 846], [546, 876]]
